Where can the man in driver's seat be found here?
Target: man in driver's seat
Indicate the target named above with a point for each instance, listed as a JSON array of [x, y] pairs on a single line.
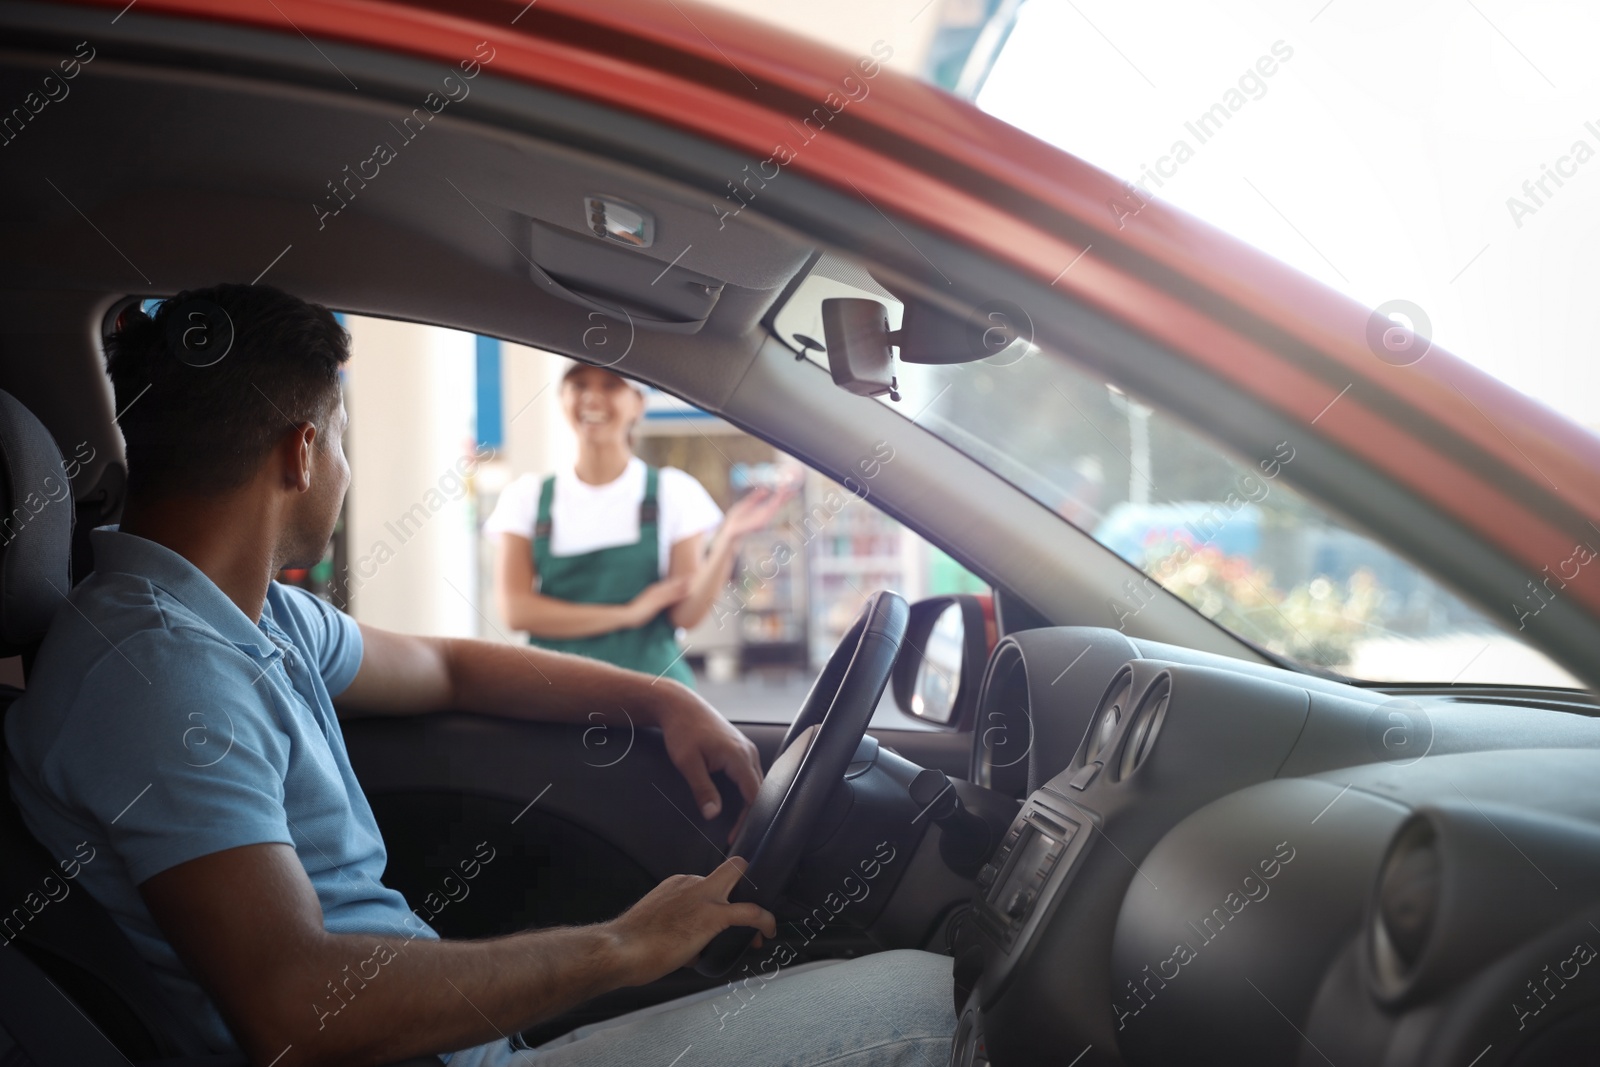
[[246, 869]]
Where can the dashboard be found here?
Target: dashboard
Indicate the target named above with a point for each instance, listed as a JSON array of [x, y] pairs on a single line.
[[1224, 862]]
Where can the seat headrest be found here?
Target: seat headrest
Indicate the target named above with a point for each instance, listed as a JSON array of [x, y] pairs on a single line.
[[36, 518]]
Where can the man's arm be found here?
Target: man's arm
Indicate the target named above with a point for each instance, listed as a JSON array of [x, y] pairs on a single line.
[[247, 924], [404, 674]]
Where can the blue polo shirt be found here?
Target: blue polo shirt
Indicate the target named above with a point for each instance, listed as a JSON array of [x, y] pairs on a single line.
[[160, 724]]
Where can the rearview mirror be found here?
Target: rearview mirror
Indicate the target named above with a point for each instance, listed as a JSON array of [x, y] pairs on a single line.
[[856, 333], [860, 345], [941, 660]]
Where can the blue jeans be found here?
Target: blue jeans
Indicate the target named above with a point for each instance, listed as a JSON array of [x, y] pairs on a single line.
[[889, 1009]]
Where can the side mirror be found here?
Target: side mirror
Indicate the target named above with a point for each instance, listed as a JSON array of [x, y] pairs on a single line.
[[940, 666]]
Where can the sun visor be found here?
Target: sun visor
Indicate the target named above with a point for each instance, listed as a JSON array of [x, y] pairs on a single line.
[[621, 282]]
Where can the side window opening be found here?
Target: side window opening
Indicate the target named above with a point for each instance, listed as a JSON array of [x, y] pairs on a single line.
[[443, 425]]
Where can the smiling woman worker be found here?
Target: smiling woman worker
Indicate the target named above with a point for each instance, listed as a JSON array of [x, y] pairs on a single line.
[[608, 558]]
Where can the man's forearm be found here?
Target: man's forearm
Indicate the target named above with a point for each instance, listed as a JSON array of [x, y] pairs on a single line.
[[371, 999], [534, 683]]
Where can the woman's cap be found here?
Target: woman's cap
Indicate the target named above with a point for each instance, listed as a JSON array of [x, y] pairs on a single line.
[[574, 366]]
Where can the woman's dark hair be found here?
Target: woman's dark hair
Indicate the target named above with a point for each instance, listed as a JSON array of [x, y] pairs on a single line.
[[213, 381]]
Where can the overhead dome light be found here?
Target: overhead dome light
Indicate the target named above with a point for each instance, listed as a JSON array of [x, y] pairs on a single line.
[[619, 221]]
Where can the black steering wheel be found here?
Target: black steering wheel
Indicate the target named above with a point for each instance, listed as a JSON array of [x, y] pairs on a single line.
[[810, 765]]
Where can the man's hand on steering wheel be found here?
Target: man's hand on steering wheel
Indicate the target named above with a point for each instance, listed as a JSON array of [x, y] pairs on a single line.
[[699, 742], [811, 763]]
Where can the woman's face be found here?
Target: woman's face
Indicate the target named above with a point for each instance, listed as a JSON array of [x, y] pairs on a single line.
[[600, 406]]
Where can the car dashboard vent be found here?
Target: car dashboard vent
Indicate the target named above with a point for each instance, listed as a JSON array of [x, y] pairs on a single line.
[[1147, 720], [1115, 706], [1406, 905]]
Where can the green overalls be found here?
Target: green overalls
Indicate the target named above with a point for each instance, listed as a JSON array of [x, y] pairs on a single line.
[[611, 576]]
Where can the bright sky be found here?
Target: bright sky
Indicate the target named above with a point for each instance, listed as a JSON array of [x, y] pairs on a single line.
[[1379, 157]]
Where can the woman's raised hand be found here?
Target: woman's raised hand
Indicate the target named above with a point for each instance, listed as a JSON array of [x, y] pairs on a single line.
[[754, 511]]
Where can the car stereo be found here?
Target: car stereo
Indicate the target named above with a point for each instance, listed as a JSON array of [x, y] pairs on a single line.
[[1014, 881]]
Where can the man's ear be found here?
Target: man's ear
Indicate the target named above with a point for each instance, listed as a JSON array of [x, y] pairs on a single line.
[[297, 450]]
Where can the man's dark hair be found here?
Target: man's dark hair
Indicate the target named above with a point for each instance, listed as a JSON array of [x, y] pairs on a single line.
[[194, 426]]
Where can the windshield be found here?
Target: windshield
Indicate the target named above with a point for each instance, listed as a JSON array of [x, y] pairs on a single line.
[[1437, 163], [1452, 190], [1225, 533], [1450, 193]]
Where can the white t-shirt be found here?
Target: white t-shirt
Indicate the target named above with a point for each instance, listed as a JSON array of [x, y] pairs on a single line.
[[587, 517]]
